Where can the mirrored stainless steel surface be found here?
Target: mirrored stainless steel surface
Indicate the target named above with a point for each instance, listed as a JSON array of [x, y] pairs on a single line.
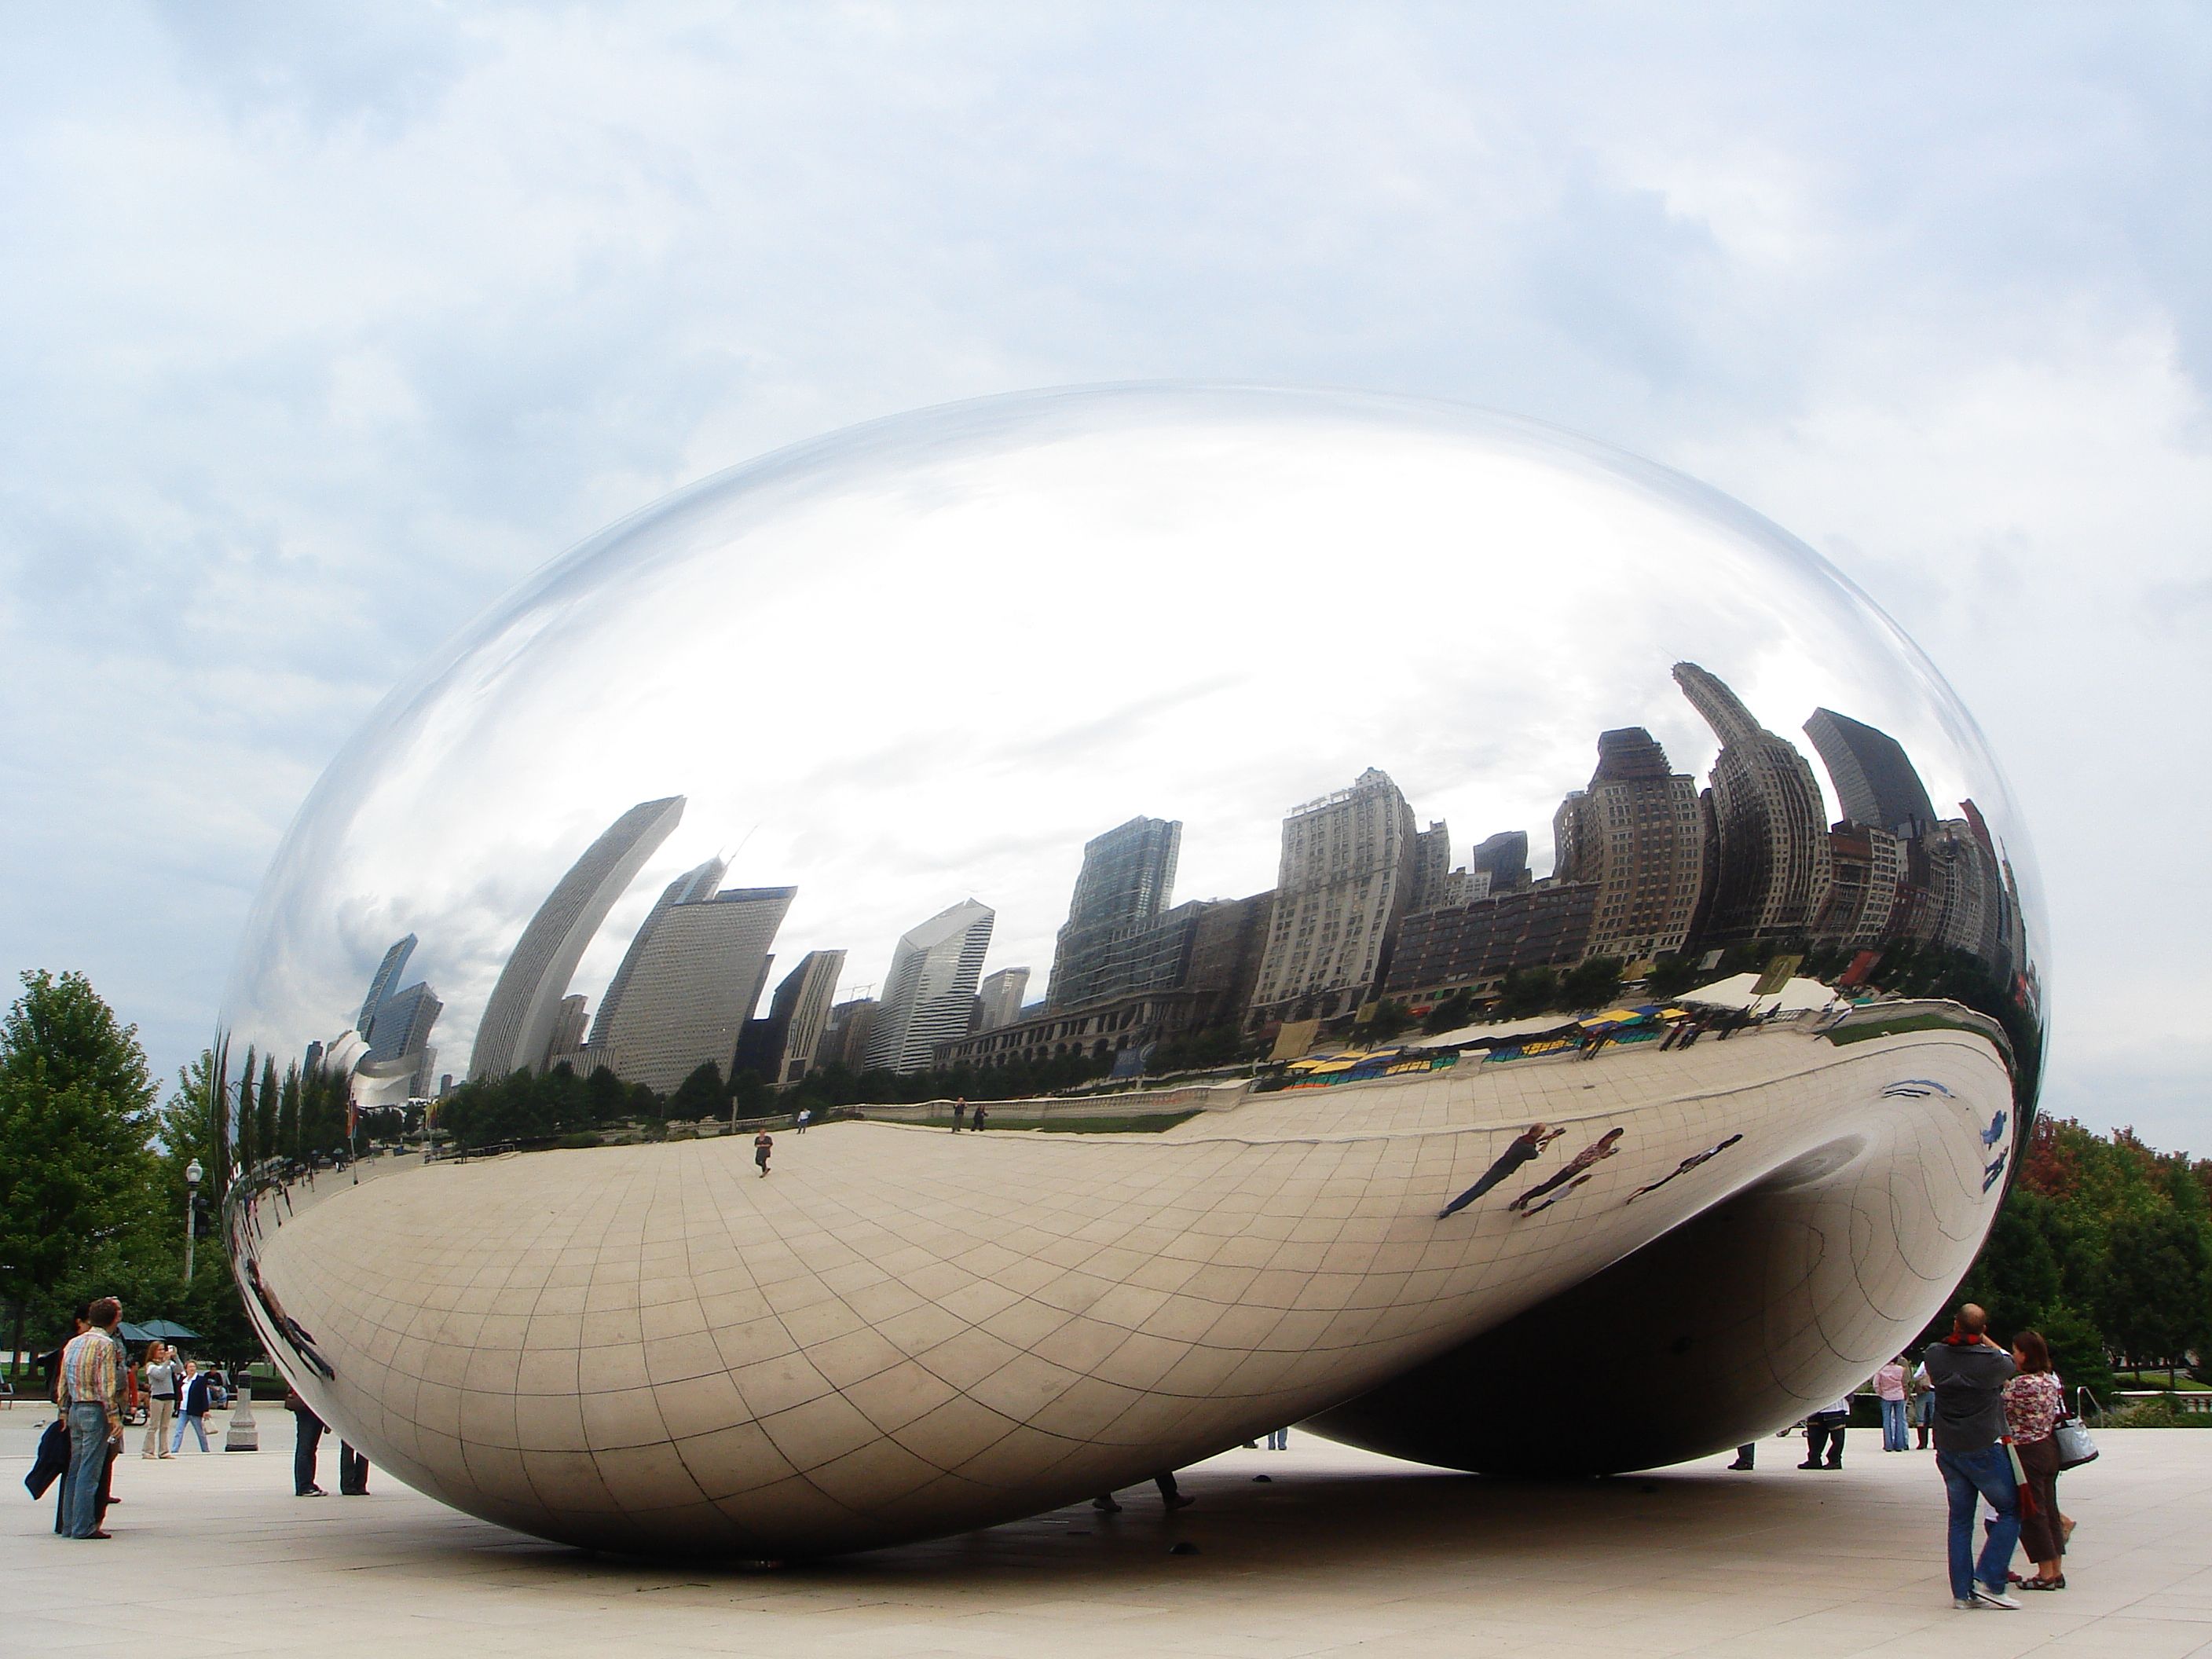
[[1420, 890]]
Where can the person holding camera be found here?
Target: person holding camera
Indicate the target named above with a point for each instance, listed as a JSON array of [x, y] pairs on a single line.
[[1969, 1372]]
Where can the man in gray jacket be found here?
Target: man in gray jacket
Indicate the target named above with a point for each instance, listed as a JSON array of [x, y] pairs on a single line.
[[1969, 1372]]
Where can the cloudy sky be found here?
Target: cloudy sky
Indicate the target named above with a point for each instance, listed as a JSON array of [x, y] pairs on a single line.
[[320, 327]]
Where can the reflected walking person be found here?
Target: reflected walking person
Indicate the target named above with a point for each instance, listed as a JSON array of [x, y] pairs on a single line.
[[1523, 1148], [764, 1144], [1596, 1153]]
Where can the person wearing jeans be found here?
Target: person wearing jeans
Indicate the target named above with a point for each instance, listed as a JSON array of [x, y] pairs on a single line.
[[1969, 1372], [90, 1399], [1889, 1386]]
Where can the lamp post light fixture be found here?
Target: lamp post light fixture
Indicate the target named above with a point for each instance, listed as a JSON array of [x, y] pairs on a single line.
[[192, 1173]]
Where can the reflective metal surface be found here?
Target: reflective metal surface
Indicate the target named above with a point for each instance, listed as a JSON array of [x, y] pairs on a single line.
[[1121, 733]]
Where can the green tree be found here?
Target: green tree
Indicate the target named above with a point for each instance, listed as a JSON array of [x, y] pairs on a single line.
[[1592, 984], [701, 1094], [1527, 991], [2153, 1292], [76, 1175]]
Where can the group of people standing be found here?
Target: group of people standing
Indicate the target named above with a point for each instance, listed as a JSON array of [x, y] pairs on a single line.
[[1994, 1415], [95, 1388]]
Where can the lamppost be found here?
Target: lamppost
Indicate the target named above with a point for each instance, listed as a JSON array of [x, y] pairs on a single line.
[[192, 1173]]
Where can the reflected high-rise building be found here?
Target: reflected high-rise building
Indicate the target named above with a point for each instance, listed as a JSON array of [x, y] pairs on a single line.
[[692, 984], [394, 1026], [1866, 872], [1000, 998], [929, 994], [1875, 783], [516, 1031], [1342, 888], [386, 977], [1428, 871], [693, 886], [1125, 885], [1770, 825], [844, 1040], [1500, 864], [1636, 832], [779, 1049]]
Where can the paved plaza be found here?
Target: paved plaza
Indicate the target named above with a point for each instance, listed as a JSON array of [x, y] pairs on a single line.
[[1339, 1552]]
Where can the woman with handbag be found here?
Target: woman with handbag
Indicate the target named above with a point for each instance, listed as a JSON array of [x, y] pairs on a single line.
[[2034, 1403]]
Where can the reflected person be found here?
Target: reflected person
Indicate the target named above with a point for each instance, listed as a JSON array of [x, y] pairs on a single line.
[[1523, 1148]]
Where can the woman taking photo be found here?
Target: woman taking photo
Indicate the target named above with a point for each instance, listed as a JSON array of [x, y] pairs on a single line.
[[2034, 1403]]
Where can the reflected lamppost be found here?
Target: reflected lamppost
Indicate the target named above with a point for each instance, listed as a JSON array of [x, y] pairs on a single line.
[[192, 1173]]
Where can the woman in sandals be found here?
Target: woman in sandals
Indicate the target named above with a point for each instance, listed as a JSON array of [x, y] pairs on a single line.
[[2034, 1403]]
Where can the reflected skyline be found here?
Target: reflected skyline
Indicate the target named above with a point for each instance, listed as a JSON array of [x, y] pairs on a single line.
[[1648, 867]]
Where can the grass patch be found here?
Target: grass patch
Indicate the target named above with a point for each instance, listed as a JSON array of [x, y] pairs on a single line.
[[1150, 1123], [1874, 1028]]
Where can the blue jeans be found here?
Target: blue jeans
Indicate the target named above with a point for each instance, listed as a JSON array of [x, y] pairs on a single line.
[[1279, 1440], [88, 1470], [1892, 1425], [197, 1424], [1967, 1476]]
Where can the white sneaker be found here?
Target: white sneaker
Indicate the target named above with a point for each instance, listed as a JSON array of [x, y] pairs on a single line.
[[1965, 1604], [1990, 1598]]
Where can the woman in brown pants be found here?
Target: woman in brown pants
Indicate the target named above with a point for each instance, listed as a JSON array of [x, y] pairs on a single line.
[[2034, 1403]]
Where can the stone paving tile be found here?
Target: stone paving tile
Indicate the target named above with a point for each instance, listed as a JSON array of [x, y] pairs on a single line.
[[1341, 1553]]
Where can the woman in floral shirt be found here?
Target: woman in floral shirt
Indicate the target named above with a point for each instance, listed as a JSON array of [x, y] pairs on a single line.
[[2034, 1403]]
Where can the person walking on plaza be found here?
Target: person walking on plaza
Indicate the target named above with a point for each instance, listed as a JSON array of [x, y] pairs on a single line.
[[805, 1117], [92, 1400], [1825, 1427], [1890, 1388], [161, 1369], [306, 1440], [980, 1117], [1596, 1153], [764, 1144], [1522, 1149], [353, 1472], [193, 1400], [1172, 1496], [959, 1113], [1968, 1372], [2034, 1400]]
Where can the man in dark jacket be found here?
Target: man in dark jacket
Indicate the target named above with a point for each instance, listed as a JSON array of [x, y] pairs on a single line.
[[1969, 1372]]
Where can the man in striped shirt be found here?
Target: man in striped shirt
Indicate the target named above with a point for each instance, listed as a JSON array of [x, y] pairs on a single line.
[[92, 1403]]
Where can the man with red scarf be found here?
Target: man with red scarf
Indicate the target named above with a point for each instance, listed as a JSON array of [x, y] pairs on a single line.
[[1969, 1372]]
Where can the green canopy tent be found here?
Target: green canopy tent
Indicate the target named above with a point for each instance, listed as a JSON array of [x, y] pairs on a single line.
[[156, 1330]]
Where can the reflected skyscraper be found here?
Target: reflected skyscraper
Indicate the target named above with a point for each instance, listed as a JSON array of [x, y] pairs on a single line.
[[1875, 783], [779, 1049], [1636, 832], [1770, 825], [1343, 885], [693, 886], [1500, 863], [929, 994], [1000, 998], [1123, 888], [516, 1031], [693, 983], [386, 976]]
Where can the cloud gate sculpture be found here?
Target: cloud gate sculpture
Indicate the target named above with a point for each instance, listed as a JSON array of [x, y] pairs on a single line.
[[1276, 907]]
